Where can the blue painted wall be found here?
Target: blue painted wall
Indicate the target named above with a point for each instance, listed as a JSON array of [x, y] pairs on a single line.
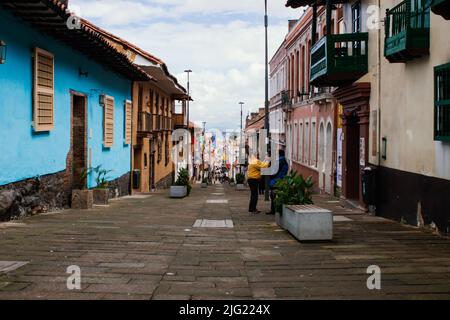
[[25, 154]]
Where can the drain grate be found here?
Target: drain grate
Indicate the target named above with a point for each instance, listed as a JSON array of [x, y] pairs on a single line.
[[8, 266], [205, 223]]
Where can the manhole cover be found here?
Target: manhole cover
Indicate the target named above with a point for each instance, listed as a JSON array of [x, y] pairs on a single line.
[[8, 266], [205, 223]]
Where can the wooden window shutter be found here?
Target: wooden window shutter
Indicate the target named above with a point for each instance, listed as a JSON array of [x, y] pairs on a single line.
[[128, 116], [108, 122], [43, 90]]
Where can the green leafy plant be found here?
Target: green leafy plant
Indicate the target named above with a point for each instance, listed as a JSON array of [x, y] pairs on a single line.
[[293, 190], [232, 180], [183, 179], [82, 177], [240, 178], [205, 180], [101, 177]]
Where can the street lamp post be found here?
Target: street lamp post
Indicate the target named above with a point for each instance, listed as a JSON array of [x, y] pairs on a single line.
[[187, 115], [266, 109], [240, 146]]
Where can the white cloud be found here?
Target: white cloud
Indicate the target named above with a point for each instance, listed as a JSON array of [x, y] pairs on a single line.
[[227, 57]]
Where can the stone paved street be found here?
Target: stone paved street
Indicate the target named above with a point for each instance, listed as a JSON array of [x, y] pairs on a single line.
[[148, 248]]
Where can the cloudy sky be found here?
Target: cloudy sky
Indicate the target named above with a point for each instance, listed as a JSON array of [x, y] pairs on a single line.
[[221, 41]]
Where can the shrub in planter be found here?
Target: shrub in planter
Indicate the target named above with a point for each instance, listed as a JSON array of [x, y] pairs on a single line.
[[82, 198], [232, 182], [293, 190], [181, 182], [204, 183], [240, 178], [101, 191]]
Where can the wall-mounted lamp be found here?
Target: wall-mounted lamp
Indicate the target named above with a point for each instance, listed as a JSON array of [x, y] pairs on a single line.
[[3, 49], [384, 148], [102, 98]]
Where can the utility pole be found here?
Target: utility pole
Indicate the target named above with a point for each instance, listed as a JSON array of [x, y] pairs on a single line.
[[266, 109], [187, 116], [240, 146]]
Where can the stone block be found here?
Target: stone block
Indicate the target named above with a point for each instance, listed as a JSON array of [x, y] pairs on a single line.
[[307, 223], [82, 199]]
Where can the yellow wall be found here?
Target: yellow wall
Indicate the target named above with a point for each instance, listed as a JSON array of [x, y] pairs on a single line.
[[161, 169]]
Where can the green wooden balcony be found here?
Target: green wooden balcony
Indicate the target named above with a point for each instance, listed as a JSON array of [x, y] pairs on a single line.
[[339, 59], [441, 8], [407, 31], [442, 102]]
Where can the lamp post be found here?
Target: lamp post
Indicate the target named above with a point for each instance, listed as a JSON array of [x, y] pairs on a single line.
[[266, 109], [187, 113], [203, 151], [240, 146]]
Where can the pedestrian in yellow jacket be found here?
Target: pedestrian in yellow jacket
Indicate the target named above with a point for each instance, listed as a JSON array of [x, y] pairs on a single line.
[[253, 177]]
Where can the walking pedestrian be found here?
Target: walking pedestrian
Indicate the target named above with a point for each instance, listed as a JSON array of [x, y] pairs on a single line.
[[253, 178], [283, 169]]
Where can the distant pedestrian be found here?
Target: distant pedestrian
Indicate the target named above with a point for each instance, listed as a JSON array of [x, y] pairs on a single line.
[[253, 178], [283, 169]]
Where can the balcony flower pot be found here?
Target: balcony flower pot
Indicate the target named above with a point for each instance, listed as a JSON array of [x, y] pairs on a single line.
[[178, 191], [306, 222], [101, 196], [82, 199]]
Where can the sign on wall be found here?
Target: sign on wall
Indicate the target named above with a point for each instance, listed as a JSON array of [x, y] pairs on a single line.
[[340, 140], [362, 152]]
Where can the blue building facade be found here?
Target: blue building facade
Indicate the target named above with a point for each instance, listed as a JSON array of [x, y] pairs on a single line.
[[40, 164]]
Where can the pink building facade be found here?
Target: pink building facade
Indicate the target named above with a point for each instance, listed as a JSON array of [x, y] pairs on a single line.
[[310, 114]]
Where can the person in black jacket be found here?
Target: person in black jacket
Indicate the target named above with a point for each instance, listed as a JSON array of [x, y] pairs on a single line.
[[283, 169]]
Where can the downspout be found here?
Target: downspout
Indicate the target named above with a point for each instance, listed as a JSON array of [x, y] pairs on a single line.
[[379, 89], [132, 139]]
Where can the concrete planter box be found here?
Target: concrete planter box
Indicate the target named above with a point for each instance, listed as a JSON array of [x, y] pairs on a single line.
[[82, 199], [240, 187], [101, 196], [204, 185], [178, 191], [306, 223]]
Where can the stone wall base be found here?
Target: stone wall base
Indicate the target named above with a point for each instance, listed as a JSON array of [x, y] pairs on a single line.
[[120, 187], [165, 182], [34, 196]]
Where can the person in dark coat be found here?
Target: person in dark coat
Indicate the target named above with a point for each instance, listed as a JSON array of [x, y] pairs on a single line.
[[283, 169]]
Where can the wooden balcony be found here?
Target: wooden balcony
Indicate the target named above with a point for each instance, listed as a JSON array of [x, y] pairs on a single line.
[[441, 8], [179, 121], [407, 31], [339, 59], [145, 124]]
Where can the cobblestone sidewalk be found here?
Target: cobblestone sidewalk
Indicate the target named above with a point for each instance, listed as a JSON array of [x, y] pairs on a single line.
[[153, 247]]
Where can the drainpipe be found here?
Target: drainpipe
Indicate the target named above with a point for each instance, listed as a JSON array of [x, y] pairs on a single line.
[[132, 139], [379, 90]]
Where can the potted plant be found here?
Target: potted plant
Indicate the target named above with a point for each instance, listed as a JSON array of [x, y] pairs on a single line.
[[204, 183], [82, 198], [232, 182], [296, 213], [240, 180], [182, 187], [101, 191]]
